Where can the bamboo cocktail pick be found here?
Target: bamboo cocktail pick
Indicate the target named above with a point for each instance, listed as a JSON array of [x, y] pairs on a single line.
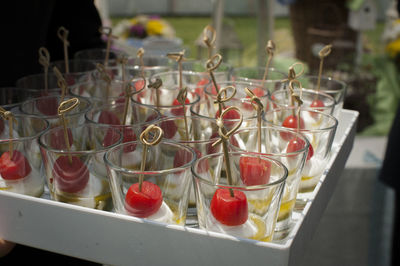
[[297, 99], [7, 115], [222, 97], [128, 93], [63, 108], [258, 106], [270, 49], [156, 85], [108, 32], [140, 54], [212, 64], [324, 52], [44, 60], [61, 83], [123, 60], [182, 96], [178, 57], [158, 134], [62, 33], [224, 138], [105, 77], [209, 36]]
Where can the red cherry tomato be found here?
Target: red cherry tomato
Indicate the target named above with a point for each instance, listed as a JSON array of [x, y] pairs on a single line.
[[200, 87], [128, 135], [257, 92], [229, 210], [145, 202], [71, 176], [254, 171], [57, 139], [48, 106], [291, 122], [296, 144], [317, 103], [178, 111], [14, 168], [169, 127], [110, 137], [230, 115], [109, 118]]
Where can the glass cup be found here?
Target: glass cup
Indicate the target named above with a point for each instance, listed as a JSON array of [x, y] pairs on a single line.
[[203, 132], [285, 145], [164, 99], [312, 99], [132, 71], [333, 87], [21, 169], [98, 55], [252, 213], [11, 98], [138, 117], [200, 66], [319, 128], [194, 81], [47, 108], [79, 176], [169, 179], [100, 92], [256, 74], [246, 107], [206, 109], [79, 70], [33, 86]]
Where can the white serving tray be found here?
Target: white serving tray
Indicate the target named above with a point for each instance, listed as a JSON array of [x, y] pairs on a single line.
[[116, 239]]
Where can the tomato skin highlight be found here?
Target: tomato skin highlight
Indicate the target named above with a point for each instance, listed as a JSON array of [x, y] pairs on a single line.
[[296, 144], [15, 167], [143, 203], [72, 176], [229, 210], [291, 122], [254, 171]]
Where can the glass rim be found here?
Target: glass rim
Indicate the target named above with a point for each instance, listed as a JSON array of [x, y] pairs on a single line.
[[170, 106], [71, 60], [32, 100], [94, 110], [249, 188], [303, 130], [241, 130], [169, 118], [326, 78], [37, 135], [80, 152], [311, 91], [244, 83], [245, 119], [150, 172]]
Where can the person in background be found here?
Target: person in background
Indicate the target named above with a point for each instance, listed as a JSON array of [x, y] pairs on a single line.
[[25, 27], [29, 25]]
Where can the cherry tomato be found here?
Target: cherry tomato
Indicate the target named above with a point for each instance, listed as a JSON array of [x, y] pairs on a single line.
[[48, 106], [169, 127], [178, 111], [291, 122], [109, 118], [110, 138], [254, 171], [14, 168], [71, 176], [200, 87], [128, 135], [57, 139], [145, 202], [257, 92], [297, 144], [230, 115], [229, 210]]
